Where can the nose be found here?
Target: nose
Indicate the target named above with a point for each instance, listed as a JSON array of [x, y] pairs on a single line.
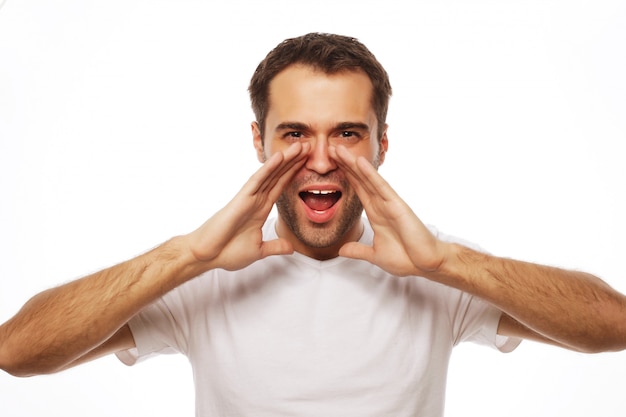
[[319, 160]]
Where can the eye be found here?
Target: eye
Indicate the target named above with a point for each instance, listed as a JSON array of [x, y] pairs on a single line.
[[349, 136], [293, 136]]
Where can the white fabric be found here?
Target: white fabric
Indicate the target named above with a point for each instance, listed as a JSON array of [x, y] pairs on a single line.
[[290, 335]]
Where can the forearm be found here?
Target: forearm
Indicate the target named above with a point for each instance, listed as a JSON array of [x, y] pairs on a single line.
[[572, 308], [62, 324]]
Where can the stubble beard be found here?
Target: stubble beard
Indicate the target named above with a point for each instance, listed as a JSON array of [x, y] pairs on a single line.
[[317, 235], [320, 235]]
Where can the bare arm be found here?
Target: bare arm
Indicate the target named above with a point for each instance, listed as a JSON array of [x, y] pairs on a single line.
[[85, 318], [59, 325], [567, 308], [121, 340]]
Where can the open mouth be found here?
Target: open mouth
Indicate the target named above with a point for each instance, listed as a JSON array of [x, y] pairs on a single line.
[[320, 200]]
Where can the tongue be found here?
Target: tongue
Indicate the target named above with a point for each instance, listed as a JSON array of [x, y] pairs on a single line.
[[319, 202]]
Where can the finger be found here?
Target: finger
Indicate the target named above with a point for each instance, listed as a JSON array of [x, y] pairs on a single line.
[[293, 157], [372, 178], [368, 176], [276, 247], [257, 181], [266, 177], [356, 250], [285, 172], [344, 158], [347, 162]]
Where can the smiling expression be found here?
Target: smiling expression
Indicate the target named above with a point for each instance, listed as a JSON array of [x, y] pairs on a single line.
[[319, 210]]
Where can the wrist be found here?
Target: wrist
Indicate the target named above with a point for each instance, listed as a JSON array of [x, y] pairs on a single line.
[[176, 259], [458, 266]]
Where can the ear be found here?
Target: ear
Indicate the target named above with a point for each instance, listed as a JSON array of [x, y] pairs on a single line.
[[382, 147], [258, 142]]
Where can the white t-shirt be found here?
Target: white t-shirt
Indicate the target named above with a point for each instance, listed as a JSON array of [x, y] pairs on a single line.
[[290, 335]]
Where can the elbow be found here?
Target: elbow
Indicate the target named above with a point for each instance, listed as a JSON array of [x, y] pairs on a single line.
[[10, 365], [608, 332], [614, 337], [612, 342], [17, 372], [17, 365], [18, 369], [7, 362], [610, 346], [597, 348], [593, 348], [25, 369], [13, 362]]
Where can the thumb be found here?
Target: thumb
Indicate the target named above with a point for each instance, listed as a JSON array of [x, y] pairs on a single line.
[[276, 247], [356, 250]]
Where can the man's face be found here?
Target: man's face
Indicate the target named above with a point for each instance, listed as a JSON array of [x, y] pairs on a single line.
[[319, 211]]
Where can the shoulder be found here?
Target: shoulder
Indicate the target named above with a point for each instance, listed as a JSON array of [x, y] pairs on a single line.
[[454, 239]]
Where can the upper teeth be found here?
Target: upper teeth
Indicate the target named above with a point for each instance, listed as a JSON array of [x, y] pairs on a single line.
[[323, 192]]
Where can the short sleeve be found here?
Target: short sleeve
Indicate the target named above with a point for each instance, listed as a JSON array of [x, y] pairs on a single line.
[[156, 330], [478, 322], [474, 319]]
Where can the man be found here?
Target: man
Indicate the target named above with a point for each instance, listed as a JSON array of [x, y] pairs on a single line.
[[354, 316]]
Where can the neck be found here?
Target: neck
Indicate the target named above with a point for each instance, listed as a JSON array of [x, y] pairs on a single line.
[[321, 253]]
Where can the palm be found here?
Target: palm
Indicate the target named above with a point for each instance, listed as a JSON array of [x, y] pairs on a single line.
[[402, 244], [232, 239]]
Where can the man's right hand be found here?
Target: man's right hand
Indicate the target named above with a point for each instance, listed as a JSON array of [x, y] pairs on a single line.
[[232, 239], [86, 318]]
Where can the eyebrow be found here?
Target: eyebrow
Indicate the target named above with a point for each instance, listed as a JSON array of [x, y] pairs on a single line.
[[292, 126], [305, 127], [352, 125]]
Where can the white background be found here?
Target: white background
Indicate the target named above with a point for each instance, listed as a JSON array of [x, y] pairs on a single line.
[[123, 123]]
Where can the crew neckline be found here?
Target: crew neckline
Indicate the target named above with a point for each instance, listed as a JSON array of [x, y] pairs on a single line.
[[269, 233]]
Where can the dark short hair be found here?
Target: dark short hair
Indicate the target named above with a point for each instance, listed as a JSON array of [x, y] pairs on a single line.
[[326, 52]]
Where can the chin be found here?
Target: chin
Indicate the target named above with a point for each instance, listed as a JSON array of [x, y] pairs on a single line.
[[320, 235]]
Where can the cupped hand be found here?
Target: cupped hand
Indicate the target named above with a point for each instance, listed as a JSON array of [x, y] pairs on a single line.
[[402, 244], [232, 238]]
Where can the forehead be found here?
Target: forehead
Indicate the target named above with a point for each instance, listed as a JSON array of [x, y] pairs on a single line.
[[302, 92]]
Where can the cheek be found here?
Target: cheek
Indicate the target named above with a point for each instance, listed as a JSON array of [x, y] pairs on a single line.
[[271, 146], [267, 151], [373, 153]]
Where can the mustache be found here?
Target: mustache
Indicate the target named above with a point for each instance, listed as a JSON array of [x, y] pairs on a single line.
[[333, 177]]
